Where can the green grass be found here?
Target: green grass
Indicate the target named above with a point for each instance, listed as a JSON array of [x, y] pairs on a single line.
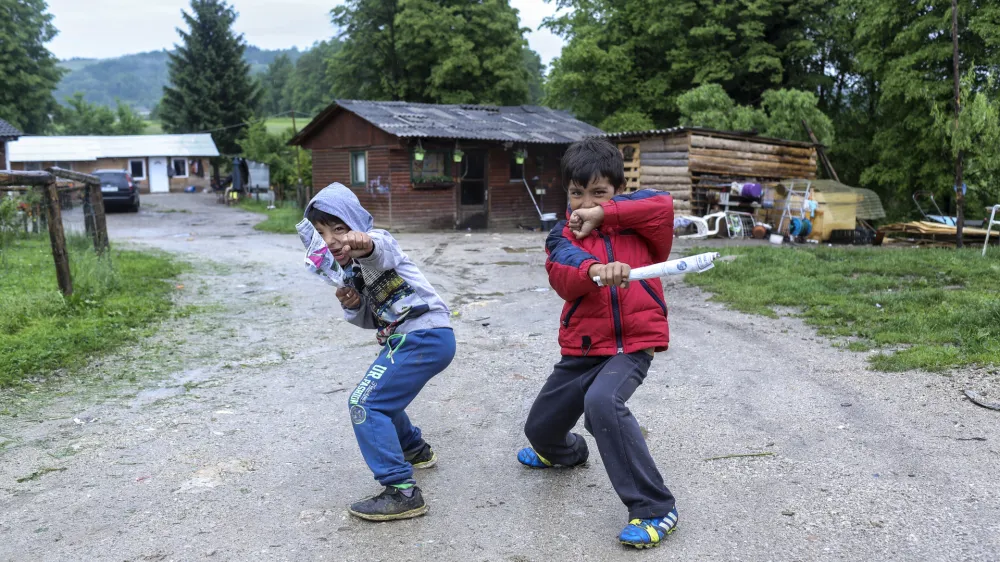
[[921, 309], [281, 220], [112, 303], [275, 125], [153, 128]]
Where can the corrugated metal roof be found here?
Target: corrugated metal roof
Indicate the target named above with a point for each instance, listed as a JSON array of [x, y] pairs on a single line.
[[8, 131], [523, 123], [82, 149], [729, 134]]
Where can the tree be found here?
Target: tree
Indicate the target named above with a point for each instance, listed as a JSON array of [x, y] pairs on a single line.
[[210, 84], [908, 56], [276, 82], [639, 55], [536, 75], [780, 114], [85, 118], [311, 87], [28, 71], [260, 146], [436, 51]]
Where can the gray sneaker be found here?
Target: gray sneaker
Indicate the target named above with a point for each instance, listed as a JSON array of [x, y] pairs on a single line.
[[393, 503]]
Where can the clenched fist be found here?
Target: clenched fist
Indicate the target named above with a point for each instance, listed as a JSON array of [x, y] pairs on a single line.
[[614, 274], [349, 298], [358, 244], [584, 221]]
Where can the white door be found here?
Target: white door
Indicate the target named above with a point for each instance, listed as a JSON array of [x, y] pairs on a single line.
[[159, 182]]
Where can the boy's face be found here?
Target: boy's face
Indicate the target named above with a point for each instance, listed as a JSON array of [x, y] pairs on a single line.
[[593, 194], [333, 234]]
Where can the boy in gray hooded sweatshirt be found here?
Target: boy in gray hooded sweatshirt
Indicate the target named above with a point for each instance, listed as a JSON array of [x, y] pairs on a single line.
[[386, 292]]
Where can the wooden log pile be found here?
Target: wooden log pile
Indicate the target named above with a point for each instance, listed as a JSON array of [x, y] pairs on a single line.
[[664, 166], [750, 158]]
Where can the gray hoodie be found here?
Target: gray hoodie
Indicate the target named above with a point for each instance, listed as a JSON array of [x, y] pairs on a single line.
[[395, 295]]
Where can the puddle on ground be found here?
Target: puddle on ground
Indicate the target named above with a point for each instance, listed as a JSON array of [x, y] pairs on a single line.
[[510, 263], [177, 385], [153, 395], [510, 250]]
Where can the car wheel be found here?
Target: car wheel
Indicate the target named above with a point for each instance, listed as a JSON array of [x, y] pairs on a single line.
[[135, 206]]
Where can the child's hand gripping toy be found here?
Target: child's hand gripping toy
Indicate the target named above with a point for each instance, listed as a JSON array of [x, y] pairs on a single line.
[[319, 260], [690, 264]]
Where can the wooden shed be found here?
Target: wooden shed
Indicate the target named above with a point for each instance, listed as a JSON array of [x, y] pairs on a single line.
[[429, 166], [694, 164]]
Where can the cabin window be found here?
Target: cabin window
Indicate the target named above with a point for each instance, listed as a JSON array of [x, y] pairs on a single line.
[[359, 168], [435, 167], [137, 168], [180, 167]]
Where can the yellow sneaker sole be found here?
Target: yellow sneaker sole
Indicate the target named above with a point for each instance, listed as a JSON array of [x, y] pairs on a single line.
[[395, 517], [428, 463]]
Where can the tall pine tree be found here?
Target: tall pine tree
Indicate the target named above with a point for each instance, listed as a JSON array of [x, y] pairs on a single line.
[[210, 83], [28, 71]]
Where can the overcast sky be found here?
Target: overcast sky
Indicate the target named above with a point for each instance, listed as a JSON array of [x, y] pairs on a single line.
[[110, 28]]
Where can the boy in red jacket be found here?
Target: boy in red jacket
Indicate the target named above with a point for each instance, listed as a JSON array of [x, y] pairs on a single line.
[[608, 334]]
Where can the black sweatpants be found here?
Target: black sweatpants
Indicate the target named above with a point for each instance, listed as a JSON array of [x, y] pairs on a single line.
[[597, 388]]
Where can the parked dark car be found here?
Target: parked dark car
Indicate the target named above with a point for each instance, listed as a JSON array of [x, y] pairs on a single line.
[[118, 190]]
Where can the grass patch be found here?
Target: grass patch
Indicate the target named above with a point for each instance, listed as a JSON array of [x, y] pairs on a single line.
[[929, 309], [112, 302], [281, 220]]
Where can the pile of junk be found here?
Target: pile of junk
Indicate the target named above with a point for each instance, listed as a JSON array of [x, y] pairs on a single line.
[[790, 211]]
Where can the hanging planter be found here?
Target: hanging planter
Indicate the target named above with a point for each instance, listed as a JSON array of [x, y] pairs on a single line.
[[458, 155], [418, 154], [519, 157]]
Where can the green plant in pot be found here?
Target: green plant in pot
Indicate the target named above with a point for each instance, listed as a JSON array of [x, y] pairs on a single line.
[[418, 154], [519, 157], [458, 155]]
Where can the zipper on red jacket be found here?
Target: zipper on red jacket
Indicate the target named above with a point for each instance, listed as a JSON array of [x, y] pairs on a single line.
[[615, 308]]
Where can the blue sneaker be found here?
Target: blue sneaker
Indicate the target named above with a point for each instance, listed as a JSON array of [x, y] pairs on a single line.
[[528, 457], [647, 533]]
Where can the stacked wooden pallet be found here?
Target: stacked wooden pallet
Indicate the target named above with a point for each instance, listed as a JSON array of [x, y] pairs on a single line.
[[936, 231], [631, 153], [664, 166]]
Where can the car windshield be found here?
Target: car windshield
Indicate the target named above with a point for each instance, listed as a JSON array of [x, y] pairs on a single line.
[[111, 178]]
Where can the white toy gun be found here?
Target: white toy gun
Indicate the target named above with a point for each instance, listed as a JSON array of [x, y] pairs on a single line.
[[690, 264]]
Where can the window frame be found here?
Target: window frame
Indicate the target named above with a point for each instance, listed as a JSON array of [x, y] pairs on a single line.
[[354, 180], [32, 166], [140, 161], [446, 154], [173, 168]]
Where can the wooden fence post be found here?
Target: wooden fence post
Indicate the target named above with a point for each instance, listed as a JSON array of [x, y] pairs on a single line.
[[96, 198], [57, 238], [88, 212]]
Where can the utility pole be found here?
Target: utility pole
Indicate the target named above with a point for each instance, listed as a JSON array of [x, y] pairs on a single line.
[[299, 195], [960, 190]]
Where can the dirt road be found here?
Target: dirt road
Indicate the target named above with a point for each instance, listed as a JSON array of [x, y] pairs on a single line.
[[226, 436]]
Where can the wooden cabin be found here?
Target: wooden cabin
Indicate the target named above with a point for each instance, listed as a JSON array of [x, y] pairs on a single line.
[[428, 166], [695, 164]]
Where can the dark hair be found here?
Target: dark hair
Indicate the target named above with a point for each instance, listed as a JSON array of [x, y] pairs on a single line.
[[316, 216], [591, 159]]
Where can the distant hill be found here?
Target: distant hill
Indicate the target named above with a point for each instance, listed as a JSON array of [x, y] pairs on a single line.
[[138, 79]]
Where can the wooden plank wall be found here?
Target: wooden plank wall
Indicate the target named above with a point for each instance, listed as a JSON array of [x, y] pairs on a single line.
[[664, 166], [414, 209], [510, 202]]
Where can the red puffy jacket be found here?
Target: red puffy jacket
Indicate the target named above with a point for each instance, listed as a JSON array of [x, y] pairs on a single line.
[[638, 229]]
